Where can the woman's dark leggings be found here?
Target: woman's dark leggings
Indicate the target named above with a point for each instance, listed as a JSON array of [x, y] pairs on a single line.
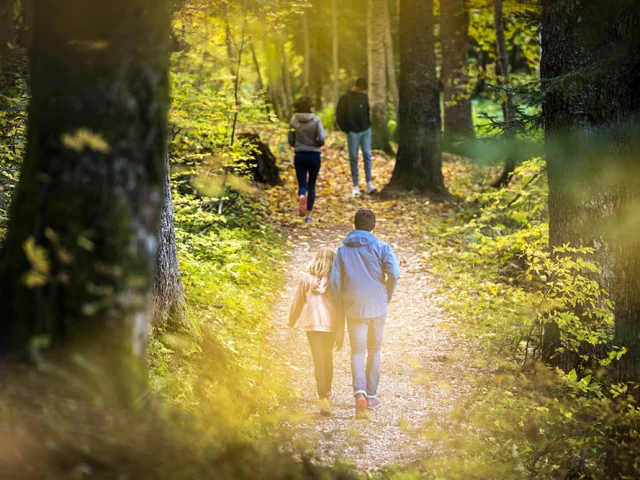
[[307, 168], [322, 351]]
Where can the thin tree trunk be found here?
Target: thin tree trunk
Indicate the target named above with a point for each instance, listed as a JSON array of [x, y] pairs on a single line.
[[419, 160], [306, 71], [168, 292], [391, 63], [508, 106], [287, 87], [335, 52], [454, 31], [78, 261], [377, 76]]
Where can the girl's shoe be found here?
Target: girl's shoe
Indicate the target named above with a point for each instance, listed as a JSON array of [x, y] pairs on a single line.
[[302, 205], [308, 219]]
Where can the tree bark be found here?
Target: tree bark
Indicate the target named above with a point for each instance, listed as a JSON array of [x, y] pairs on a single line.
[[78, 262], [419, 160], [508, 107], [454, 31], [391, 62], [168, 306], [377, 76], [335, 53], [591, 111]]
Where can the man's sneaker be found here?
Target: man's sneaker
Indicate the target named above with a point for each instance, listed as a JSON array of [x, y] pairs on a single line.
[[372, 403], [302, 205], [361, 406], [356, 191], [370, 188]]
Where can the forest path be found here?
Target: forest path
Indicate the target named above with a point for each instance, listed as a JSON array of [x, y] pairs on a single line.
[[424, 365]]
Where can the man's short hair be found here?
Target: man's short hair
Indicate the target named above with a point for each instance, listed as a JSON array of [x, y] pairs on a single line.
[[362, 83], [365, 220]]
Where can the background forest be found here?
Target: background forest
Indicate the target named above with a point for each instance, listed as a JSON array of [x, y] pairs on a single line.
[[147, 226]]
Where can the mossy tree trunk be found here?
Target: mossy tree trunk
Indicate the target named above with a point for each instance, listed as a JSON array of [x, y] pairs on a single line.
[[78, 263], [591, 108], [419, 159], [376, 25], [454, 37]]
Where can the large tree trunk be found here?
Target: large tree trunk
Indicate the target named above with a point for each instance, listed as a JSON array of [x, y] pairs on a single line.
[[588, 109], [508, 107], [391, 62], [419, 159], [335, 94], [78, 262], [378, 76], [168, 306], [454, 31]]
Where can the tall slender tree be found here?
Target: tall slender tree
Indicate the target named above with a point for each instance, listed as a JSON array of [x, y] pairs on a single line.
[[419, 159], [454, 37], [335, 50], [378, 76], [78, 261], [508, 106], [392, 77]]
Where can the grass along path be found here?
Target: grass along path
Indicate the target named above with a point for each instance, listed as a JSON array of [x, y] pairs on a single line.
[[424, 365]]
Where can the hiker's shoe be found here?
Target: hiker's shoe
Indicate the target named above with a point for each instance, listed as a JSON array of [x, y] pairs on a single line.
[[302, 205], [361, 406], [370, 188], [326, 405], [356, 191], [308, 219], [372, 403]]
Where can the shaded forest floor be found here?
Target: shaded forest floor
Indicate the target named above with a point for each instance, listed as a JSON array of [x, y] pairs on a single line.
[[425, 364]]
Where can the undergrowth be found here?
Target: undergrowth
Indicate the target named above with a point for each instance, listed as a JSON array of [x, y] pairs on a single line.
[[506, 287]]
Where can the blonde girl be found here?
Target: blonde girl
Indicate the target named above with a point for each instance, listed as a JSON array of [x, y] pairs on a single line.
[[314, 310]]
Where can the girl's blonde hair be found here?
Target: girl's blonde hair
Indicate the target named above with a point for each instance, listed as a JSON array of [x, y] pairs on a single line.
[[322, 263]]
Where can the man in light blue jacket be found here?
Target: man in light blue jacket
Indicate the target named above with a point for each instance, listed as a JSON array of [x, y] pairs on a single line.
[[364, 275]]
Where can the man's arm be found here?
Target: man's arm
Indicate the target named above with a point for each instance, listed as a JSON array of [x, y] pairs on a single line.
[[341, 114], [392, 270], [336, 284]]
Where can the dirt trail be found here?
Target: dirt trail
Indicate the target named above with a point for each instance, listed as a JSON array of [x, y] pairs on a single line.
[[423, 362]]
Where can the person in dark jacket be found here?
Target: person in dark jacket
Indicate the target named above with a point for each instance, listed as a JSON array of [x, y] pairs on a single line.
[[353, 118], [363, 278], [307, 137]]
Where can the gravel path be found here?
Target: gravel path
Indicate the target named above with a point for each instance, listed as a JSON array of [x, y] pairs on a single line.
[[424, 363]]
